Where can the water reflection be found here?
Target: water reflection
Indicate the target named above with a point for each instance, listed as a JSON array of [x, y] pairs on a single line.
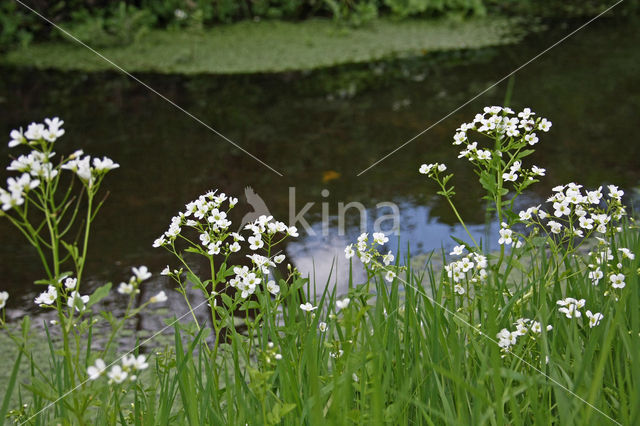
[[298, 124]]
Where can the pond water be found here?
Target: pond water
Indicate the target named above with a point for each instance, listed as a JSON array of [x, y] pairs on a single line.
[[320, 130]]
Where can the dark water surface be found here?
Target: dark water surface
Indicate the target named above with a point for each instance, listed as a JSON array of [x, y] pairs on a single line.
[[319, 130]]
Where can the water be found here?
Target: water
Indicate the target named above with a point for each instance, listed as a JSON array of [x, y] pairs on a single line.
[[320, 130]]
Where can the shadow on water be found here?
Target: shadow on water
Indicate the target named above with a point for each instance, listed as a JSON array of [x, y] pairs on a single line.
[[320, 129]]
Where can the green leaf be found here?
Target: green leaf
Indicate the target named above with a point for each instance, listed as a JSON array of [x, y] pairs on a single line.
[[459, 241], [488, 182], [100, 293], [525, 153], [9, 389], [226, 299], [26, 326], [194, 250], [195, 280]]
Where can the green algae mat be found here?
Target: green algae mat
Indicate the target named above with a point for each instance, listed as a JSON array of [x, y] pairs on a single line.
[[270, 46]]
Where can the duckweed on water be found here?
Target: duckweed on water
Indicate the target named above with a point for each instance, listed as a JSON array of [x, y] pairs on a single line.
[[271, 46]]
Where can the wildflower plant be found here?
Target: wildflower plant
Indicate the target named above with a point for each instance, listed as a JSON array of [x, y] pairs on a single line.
[[546, 252], [53, 203], [232, 287]]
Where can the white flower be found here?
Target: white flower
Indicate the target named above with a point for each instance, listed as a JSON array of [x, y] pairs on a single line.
[[626, 253], [379, 238], [138, 363], [426, 168], [388, 258], [308, 307], [561, 209], [159, 242], [117, 374], [279, 258], [234, 247], [159, 298], [166, 271], [48, 297], [531, 138], [292, 231], [594, 319], [3, 298], [510, 177], [322, 326], [272, 287], [342, 304], [348, 251], [214, 248], [459, 138], [390, 276], [585, 223], [458, 289], [75, 299], [17, 138], [544, 125], [457, 250], [104, 165], [538, 171], [70, 283], [555, 226], [256, 242], [96, 370], [505, 235], [617, 281], [125, 288], [442, 167], [570, 307], [614, 192], [595, 276], [35, 131], [141, 273]]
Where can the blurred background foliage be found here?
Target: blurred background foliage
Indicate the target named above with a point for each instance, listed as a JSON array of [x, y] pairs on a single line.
[[103, 23]]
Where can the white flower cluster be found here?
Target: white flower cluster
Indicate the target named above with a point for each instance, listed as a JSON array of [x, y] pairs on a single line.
[[369, 255], [117, 374], [265, 228], [140, 274], [604, 258], [67, 290], [471, 268], [207, 216], [13, 196], [570, 307], [36, 132], [500, 122], [84, 169], [36, 166], [432, 169], [577, 213], [507, 338]]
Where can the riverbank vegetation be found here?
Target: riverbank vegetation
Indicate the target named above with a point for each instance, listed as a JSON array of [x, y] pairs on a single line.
[[271, 35], [545, 330]]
